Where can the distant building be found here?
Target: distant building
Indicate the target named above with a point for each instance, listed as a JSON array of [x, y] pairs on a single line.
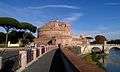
[[57, 32]]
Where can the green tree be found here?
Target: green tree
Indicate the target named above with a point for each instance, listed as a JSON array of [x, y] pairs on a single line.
[[28, 28], [88, 37], [100, 39], [29, 38], [116, 41], [2, 37], [13, 36], [8, 23]]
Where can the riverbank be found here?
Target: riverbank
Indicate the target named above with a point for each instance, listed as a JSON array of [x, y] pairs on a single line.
[[97, 59], [90, 58], [79, 60]]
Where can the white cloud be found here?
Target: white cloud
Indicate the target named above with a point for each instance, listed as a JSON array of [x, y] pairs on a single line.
[[112, 4], [55, 6], [109, 35], [73, 17]]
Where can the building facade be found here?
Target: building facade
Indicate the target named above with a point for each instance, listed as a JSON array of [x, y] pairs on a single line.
[[57, 32]]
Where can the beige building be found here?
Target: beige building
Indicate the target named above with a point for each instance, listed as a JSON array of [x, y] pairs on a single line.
[[57, 32]]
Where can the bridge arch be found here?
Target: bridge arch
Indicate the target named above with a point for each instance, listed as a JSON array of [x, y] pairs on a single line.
[[114, 55], [113, 49], [87, 48], [96, 50], [78, 49]]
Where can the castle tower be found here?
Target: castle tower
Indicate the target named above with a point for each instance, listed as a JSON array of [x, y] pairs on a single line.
[[54, 28]]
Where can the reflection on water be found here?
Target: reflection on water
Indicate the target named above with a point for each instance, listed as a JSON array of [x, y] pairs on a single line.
[[113, 64]]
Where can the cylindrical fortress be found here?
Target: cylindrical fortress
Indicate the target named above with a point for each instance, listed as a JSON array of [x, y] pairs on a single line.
[[54, 29]]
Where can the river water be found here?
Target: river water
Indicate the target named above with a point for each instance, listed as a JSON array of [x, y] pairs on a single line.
[[113, 61]]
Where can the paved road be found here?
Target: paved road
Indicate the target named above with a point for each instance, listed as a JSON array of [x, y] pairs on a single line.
[[57, 64], [50, 62], [41, 65]]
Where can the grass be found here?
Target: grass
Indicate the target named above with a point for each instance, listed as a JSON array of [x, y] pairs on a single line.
[[88, 58], [75, 50], [94, 59], [5, 45]]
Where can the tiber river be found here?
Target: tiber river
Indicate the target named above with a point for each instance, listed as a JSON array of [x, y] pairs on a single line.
[[113, 61]]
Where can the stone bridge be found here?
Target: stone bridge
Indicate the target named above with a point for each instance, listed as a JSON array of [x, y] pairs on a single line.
[[45, 59], [87, 48]]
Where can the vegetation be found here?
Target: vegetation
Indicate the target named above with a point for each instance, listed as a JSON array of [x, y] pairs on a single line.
[[99, 39], [2, 37], [23, 32], [89, 38], [27, 26], [75, 49], [27, 36], [88, 58], [16, 36], [95, 58], [8, 23], [117, 41]]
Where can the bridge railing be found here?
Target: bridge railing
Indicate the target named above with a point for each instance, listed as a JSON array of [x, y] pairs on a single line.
[[100, 44], [25, 57], [77, 63], [12, 61]]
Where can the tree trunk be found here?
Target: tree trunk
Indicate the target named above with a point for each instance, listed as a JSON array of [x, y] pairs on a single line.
[[19, 41], [103, 53], [6, 45], [6, 42]]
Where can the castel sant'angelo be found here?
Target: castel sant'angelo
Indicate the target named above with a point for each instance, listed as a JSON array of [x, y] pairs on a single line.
[[58, 32]]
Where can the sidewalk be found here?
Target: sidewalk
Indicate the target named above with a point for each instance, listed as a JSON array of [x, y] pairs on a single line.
[[42, 64]]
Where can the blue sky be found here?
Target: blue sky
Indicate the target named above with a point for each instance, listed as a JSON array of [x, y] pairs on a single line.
[[88, 17]]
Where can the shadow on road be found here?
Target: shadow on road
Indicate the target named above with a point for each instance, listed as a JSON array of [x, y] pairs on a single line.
[[57, 64], [60, 63]]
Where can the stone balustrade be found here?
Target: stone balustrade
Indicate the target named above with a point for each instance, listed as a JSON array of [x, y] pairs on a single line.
[[28, 56], [41, 50], [88, 47]]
